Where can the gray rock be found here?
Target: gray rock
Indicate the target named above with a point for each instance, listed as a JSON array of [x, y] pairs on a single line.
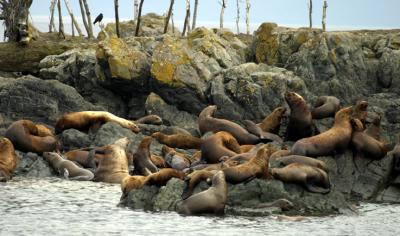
[[32, 165], [73, 139], [169, 195], [142, 198]]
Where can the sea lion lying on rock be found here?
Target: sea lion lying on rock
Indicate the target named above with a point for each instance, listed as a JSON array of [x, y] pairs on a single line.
[[149, 120], [219, 145], [272, 122], [174, 159], [141, 158], [8, 160], [181, 141], [325, 106]]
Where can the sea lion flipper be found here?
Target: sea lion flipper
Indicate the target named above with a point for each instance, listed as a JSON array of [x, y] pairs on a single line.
[[65, 173], [316, 189]]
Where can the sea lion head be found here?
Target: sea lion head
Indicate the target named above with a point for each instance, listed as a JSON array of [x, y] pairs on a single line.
[[293, 98], [360, 110], [284, 204], [49, 155], [122, 142], [280, 110], [132, 126], [209, 111]]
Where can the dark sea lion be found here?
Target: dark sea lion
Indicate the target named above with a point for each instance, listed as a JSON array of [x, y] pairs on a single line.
[[252, 128], [149, 120], [141, 158], [374, 129], [174, 159], [113, 167], [365, 145], [325, 106], [66, 168], [84, 120], [8, 160], [300, 119], [286, 160], [24, 136], [272, 122], [360, 111], [212, 200], [334, 140], [312, 178], [181, 141], [219, 145], [208, 123]]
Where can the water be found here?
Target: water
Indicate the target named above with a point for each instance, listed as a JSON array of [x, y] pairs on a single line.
[[55, 206]]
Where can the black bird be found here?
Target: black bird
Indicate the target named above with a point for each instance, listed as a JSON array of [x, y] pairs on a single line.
[[98, 18]]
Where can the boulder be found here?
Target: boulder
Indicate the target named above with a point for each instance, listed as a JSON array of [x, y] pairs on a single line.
[[33, 166]]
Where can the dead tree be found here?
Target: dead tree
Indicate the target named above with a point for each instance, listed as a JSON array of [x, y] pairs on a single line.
[[135, 9], [52, 8], [15, 15], [248, 16], [85, 23], [74, 22], [116, 18], [172, 22], [89, 18], [237, 15], [187, 17], [60, 21], [196, 4], [221, 18], [138, 19], [310, 13], [324, 16], [171, 6]]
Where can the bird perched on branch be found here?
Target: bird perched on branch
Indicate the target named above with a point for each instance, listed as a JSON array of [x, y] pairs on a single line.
[[98, 18]]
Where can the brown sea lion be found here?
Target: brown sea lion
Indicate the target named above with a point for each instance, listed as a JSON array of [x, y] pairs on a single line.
[[158, 161], [312, 178], [43, 131], [83, 158], [113, 167], [208, 123], [360, 111], [141, 158], [325, 106], [23, 135], [212, 200], [195, 178], [219, 145], [181, 141], [8, 160], [149, 120], [287, 160], [280, 153], [66, 168], [252, 128], [365, 145], [374, 129], [300, 119], [246, 148], [84, 120], [334, 140], [272, 122], [174, 159]]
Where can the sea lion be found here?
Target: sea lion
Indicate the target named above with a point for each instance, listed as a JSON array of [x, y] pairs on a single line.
[[300, 119], [8, 160], [281, 203], [246, 148], [84, 120], [312, 178], [43, 131], [174, 159], [334, 140], [158, 161], [23, 135], [219, 145], [272, 122], [360, 111], [286, 160], [325, 106], [212, 200], [280, 153], [66, 168], [208, 123], [141, 158], [252, 128], [366, 145], [83, 158], [181, 141], [374, 129], [113, 167], [149, 120], [195, 178]]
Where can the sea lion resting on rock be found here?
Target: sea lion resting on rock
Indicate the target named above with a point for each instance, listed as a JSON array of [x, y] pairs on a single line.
[[374, 129], [312, 178], [286, 160], [208, 123], [212, 200], [272, 122], [83, 157], [141, 158], [158, 161], [300, 119], [8, 159], [66, 168], [113, 167], [219, 145], [174, 159], [325, 106], [25, 137], [252, 128], [178, 140], [149, 120], [360, 111], [84, 120], [366, 145], [332, 141]]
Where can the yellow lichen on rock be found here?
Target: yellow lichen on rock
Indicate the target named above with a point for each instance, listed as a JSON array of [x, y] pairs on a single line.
[[267, 44]]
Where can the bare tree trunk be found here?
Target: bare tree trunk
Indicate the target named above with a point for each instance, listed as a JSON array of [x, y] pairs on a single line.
[[52, 8], [196, 4], [172, 22], [221, 19], [237, 16], [248, 16], [116, 18], [72, 28], [15, 15], [89, 18], [186, 23], [74, 22], [60, 21], [138, 19], [324, 16], [310, 13], [135, 9], [85, 23], [171, 6]]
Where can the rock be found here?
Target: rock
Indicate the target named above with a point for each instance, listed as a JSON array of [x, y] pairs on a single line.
[[33, 166], [389, 195], [389, 69], [169, 195], [41, 101], [74, 139], [142, 198]]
